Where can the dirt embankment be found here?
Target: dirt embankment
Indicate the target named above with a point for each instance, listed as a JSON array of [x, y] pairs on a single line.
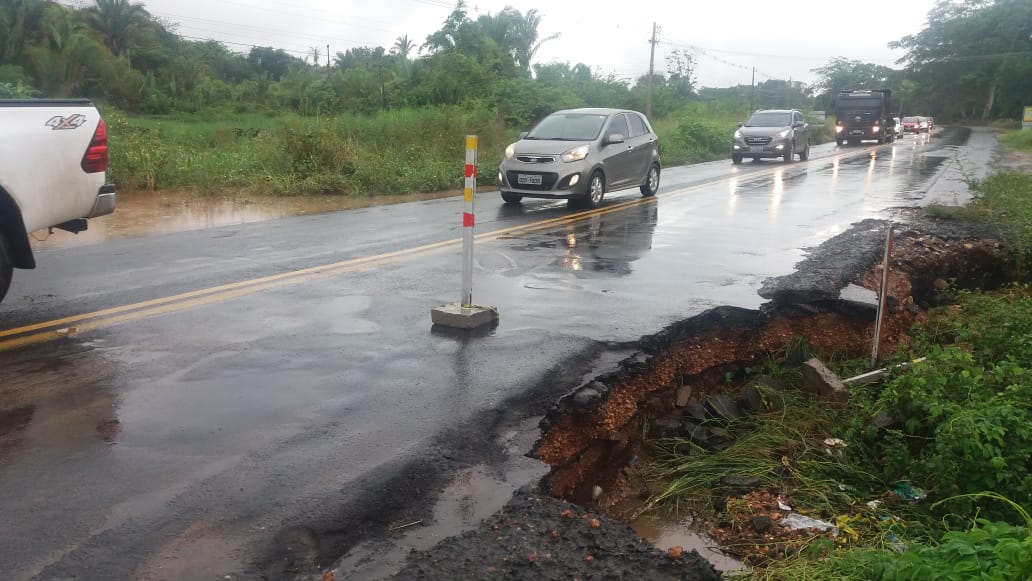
[[592, 437]]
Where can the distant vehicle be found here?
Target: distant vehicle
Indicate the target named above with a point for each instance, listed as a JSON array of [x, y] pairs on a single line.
[[898, 124], [911, 124], [579, 155], [924, 127], [53, 160], [931, 123], [772, 133], [861, 115]]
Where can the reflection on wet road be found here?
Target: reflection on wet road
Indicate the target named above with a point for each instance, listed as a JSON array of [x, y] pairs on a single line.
[[187, 397]]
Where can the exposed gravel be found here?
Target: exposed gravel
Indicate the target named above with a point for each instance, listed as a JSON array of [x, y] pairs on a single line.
[[537, 537]]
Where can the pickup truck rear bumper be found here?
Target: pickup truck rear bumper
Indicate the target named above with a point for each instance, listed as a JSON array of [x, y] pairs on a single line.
[[105, 203]]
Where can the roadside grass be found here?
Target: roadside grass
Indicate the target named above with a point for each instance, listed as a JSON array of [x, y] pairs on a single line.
[[1019, 139], [393, 152], [1002, 201], [959, 435]]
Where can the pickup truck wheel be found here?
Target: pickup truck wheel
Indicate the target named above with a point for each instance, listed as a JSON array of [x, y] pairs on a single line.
[[511, 198], [6, 267], [838, 142]]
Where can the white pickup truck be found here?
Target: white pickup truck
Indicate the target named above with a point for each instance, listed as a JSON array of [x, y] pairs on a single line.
[[53, 155]]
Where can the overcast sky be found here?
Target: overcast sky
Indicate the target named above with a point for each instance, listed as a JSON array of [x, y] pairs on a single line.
[[781, 39]]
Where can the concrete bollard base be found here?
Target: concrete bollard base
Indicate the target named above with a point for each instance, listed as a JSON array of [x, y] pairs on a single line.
[[460, 317]]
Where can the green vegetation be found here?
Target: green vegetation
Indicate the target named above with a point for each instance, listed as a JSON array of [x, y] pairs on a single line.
[[1020, 139], [195, 114], [947, 466]]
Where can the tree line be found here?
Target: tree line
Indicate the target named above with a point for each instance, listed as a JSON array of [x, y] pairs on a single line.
[[973, 60]]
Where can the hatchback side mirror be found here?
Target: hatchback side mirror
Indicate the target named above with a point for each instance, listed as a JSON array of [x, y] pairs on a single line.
[[614, 138], [741, 124], [524, 134]]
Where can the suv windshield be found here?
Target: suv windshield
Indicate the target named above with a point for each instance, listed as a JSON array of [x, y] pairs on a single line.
[[770, 120], [569, 127]]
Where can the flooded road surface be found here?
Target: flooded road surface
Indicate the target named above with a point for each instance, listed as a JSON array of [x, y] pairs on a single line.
[[260, 398], [143, 213]]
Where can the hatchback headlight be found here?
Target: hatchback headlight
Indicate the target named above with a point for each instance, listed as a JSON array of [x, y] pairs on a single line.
[[576, 154], [510, 151]]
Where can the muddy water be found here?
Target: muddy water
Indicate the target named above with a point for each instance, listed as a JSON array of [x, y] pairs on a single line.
[[665, 535], [475, 493], [144, 213]]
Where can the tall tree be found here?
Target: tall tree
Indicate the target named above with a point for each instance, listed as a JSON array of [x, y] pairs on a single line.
[[974, 58], [526, 38], [117, 22], [403, 46], [842, 74]]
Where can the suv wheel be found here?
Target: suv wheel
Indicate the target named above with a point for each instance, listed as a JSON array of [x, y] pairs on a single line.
[[736, 158], [790, 153], [511, 198], [805, 153]]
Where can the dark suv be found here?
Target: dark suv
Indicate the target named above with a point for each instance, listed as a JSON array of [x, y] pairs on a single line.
[[772, 133]]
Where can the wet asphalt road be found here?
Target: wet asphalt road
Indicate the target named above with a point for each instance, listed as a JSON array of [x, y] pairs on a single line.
[[199, 404]]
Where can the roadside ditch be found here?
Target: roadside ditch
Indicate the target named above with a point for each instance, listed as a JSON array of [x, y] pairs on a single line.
[[698, 373]]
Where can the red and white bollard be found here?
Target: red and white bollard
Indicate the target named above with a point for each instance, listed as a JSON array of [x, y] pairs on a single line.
[[464, 314]]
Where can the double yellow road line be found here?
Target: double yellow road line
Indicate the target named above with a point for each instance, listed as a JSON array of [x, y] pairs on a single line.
[[63, 327]]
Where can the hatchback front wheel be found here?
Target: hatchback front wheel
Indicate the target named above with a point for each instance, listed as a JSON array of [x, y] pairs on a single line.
[[596, 190]]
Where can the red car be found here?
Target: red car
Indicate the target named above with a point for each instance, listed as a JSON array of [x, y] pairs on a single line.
[[911, 125]]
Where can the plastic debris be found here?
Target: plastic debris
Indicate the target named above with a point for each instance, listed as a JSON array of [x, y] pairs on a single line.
[[895, 543], [796, 521], [874, 504], [908, 492], [782, 505]]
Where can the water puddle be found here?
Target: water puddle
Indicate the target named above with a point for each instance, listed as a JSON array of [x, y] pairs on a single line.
[[144, 213], [475, 494], [665, 535]]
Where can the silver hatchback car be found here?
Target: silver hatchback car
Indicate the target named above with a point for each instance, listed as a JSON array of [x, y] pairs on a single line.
[[579, 155]]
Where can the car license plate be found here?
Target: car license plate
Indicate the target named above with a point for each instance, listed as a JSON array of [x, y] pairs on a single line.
[[756, 149], [528, 179], [856, 132]]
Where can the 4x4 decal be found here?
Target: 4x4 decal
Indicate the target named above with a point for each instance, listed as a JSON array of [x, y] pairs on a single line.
[[58, 122]]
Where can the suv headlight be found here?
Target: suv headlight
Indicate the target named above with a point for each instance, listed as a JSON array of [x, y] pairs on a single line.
[[784, 133], [738, 134], [510, 151], [576, 154]]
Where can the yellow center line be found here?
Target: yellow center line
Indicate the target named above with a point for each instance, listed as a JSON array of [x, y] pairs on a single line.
[[58, 328]]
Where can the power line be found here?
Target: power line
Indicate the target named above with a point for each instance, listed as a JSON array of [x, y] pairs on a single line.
[[705, 52]]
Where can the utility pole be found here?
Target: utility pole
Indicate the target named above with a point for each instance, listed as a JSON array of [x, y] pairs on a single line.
[[752, 92], [328, 63], [652, 63]]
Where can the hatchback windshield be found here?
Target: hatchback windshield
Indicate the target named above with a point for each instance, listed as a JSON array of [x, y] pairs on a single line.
[[569, 127], [770, 120]]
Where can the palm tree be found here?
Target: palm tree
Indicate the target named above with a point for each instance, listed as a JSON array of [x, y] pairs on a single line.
[[525, 38], [18, 20], [116, 21], [445, 38], [403, 46]]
